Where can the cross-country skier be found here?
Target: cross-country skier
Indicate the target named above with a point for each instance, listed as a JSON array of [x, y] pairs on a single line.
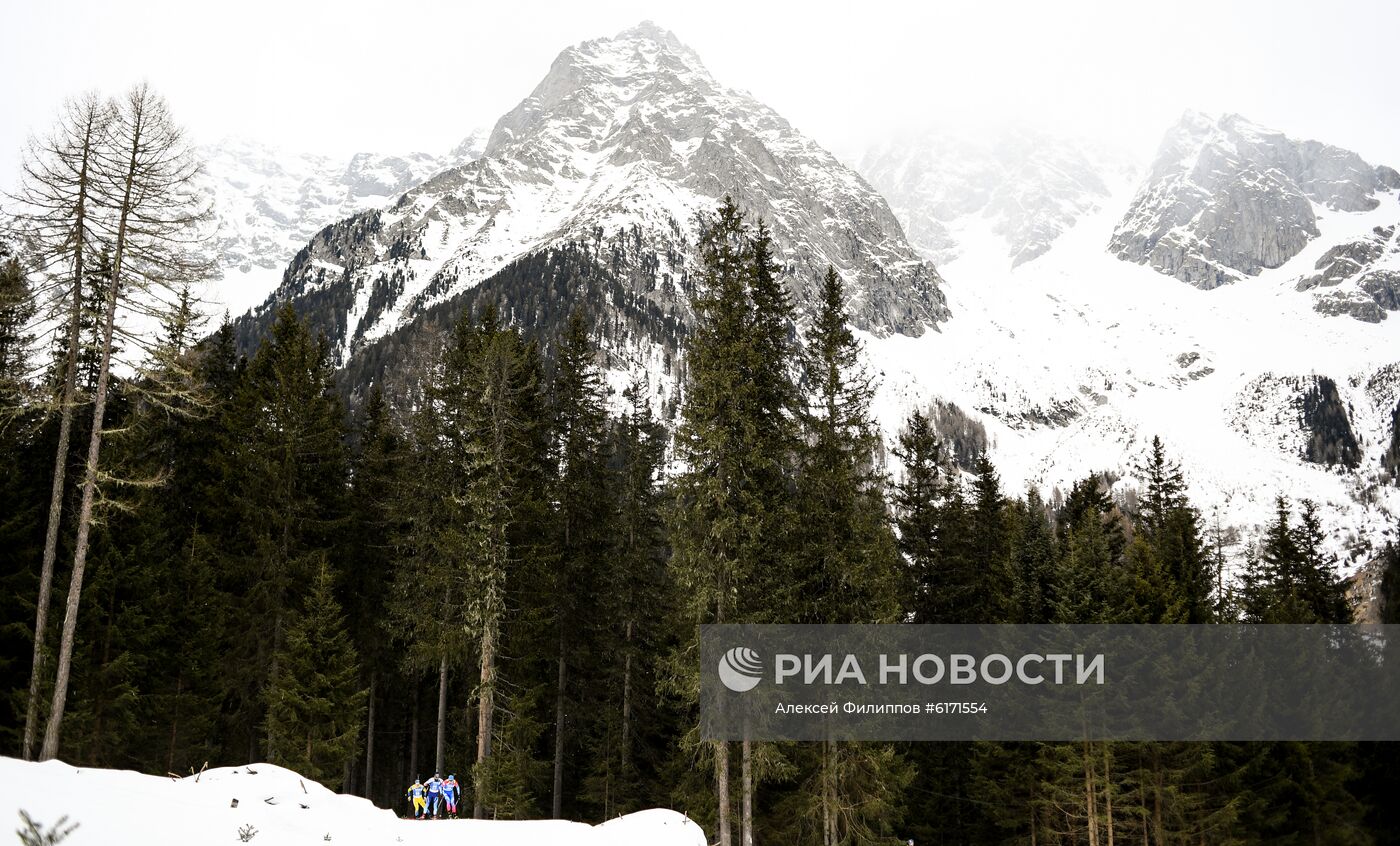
[[434, 786], [449, 794], [415, 794]]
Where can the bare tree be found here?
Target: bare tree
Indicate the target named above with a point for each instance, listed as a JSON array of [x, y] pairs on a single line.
[[146, 187], [57, 216]]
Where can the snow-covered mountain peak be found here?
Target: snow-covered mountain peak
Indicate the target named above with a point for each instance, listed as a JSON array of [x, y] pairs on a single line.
[[599, 82], [615, 153]]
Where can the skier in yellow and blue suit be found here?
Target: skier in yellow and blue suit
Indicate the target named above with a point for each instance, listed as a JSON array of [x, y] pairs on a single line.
[[416, 795]]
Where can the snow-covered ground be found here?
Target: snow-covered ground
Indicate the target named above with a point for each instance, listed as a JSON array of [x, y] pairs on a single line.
[[120, 808]]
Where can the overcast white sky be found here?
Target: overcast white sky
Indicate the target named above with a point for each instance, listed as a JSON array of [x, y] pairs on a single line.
[[398, 75]]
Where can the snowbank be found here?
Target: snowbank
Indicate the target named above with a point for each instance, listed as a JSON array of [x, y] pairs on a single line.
[[117, 808]]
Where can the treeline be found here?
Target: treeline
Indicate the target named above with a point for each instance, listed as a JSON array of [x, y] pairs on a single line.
[[506, 583]]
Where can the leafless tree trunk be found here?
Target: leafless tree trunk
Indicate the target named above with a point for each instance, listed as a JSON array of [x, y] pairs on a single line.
[[1108, 794], [441, 749], [557, 810], [722, 790], [369, 739], [57, 216], [627, 702], [413, 736], [746, 780], [148, 171], [1090, 805], [828, 788], [485, 713]]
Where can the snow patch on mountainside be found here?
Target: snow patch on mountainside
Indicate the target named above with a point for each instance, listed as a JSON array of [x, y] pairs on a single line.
[[1028, 186], [267, 203], [1074, 361], [122, 808]]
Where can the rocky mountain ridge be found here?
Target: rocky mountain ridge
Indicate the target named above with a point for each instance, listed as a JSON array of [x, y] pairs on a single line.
[[1226, 198], [268, 203], [611, 159]]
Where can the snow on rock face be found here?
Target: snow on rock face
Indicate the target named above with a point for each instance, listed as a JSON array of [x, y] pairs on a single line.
[[1074, 361], [122, 808], [1030, 185], [618, 149], [1227, 198], [267, 203], [1359, 278]]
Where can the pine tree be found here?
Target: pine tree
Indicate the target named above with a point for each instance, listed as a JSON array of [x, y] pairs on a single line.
[[736, 437], [846, 567], [639, 608], [315, 700], [1291, 579], [368, 561], [989, 586], [285, 476], [1032, 561], [584, 517]]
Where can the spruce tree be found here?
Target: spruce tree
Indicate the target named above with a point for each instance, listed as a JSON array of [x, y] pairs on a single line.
[[285, 476], [1321, 587], [989, 585], [1032, 561], [846, 563], [915, 497], [17, 308], [584, 518], [471, 520], [845, 566], [367, 563], [1173, 566], [935, 526], [1291, 578], [315, 702], [732, 506]]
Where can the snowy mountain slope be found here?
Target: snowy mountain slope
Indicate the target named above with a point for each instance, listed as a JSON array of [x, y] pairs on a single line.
[[1029, 185], [1360, 277], [611, 158], [1075, 360], [267, 203], [1227, 198], [587, 195], [121, 808]]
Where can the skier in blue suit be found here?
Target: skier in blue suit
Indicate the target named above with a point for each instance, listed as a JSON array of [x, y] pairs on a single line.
[[434, 786]]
